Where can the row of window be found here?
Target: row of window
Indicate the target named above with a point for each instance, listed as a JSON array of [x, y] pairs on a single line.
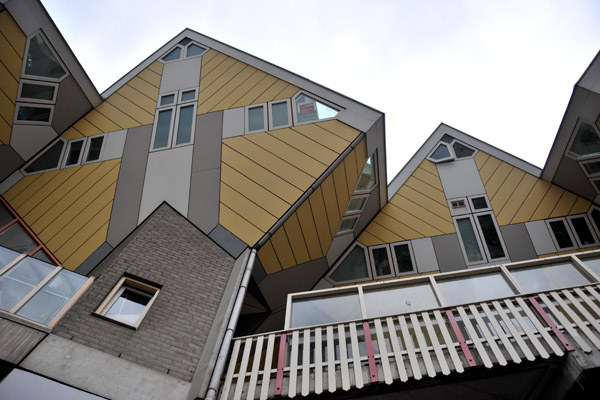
[[366, 182], [175, 119], [184, 49], [450, 151]]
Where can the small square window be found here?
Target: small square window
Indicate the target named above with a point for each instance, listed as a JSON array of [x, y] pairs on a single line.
[[347, 225], [280, 114], [188, 95], [255, 118], [356, 204], [74, 152], [94, 149], [128, 302], [479, 203], [167, 99]]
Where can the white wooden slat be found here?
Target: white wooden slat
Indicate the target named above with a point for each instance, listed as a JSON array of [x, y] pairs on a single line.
[[593, 292], [580, 324], [383, 353], [586, 298], [358, 376], [488, 335], [343, 357], [449, 342], [293, 379], [330, 360], [422, 345], [565, 323], [239, 384], [264, 390], [594, 322], [397, 349], [543, 331], [318, 361], [255, 367], [439, 352], [306, 363], [232, 363], [500, 333], [410, 349], [528, 332], [474, 337], [514, 331]]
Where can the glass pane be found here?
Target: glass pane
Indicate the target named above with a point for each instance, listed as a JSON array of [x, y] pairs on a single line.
[[17, 239], [23, 385], [356, 204], [48, 160], [175, 54], [595, 214], [280, 114], [44, 305], [479, 203], [194, 50], [403, 259], [390, 301], [490, 235], [74, 152], [42, 256], [561, 234], [256, 119], [325, 309], [462, 151], [188, 95], [469, 240], [546, 277], [586, 141], [95, 148], [353, 267], [474, 288], [592, 167], [41, 61], [40, 92], [38, 114], [129, 306], [347, 224], [20, 280], [184, 125], [593, 264], [163, 126], [583, 231], [309, 109], [5, 216], [381, 262], [167, 99], [6, 256], [441, 152], [366, 180]]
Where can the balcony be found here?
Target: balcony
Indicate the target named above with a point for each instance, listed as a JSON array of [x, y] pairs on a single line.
[[518, 314]]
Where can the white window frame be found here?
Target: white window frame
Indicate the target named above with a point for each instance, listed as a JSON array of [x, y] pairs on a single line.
[[184, 54], [412, 258], [591, 219], [480, 238], [375, 173], [356, 217], [42, 78], [247, 119], [576, 235], [343, 257], [289, 113], [572, 139], [477, 237], [459, 211], [317, 98], [479, 210], [20, 98], [582, 164], [464, 144], [60, 159], [441, 160], [179, 97], [176, 107], [181, 56], [569, 231], [393, 269], [33, 105], [354, 212], [66, 154], [87, 148], [173, 135], [480, 232]]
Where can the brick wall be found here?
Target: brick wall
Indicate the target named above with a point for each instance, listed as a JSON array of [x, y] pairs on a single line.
[[193, 271]]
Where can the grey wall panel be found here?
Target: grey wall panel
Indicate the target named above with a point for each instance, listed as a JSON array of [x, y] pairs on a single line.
[[9, 161], [518, 243], [369, 211], [88, 265], [27, 140], [228, 241], [460, 178], [183, 74], [126, 206], [570, 176], [207, 146], [10, 181], [168, 175], [71, 104], [448, 252], [204, 199], [17, 340], [114, 145], [338, 246], [233, 122], [424, 255], [540, 237]]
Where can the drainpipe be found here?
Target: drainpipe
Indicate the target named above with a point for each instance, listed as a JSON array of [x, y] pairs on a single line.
[[215, 379]]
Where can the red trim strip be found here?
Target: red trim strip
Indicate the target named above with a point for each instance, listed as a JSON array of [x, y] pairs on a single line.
[[11, 223], [370, 352], [280, 364], [32, 252], [461, 339], [548, 321]]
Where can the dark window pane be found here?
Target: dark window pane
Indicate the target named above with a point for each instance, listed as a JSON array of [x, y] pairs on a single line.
[[40, 92], [583, 231], [48, 160], [184, 126], [38, 114], [561, 234], [95, 149], [280, 114], [403, 259], [586, 141], [469, 240], [17, 239], [175, 54], [129, 306], [5, 216], [353, 267], [74, 152], [462, 151], [595, 214], [188, 95], [163, 126], [592, 167], [381, 262], [479, 203], [42, 256], [490, 234], [41, 61], [194, 50]]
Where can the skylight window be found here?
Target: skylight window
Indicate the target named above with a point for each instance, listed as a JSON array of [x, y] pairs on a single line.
[[308, 109], [41, 61]]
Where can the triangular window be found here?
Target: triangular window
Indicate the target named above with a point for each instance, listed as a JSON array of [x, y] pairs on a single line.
[[308, 109], [586, 141], [194, 50], [366, 180], [174, 54], [462, 151], [48, 160], [41, 61], [353, 267]]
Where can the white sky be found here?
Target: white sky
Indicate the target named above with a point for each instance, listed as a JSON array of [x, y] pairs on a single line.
[[502, 71]]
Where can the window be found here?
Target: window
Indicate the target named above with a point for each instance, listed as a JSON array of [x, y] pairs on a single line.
[[33, 114], [325, 309], [441, 153], [41, 61], [594, 216], [573, 232], [175, 119], [584, 234], [450, 151], [403, 258], [474, 288], [367, 180], [280, 114], [356, 204], [586, 142], [74, 152], [128, 302], [347, 224], [381, 261], [185, 49], [352, 267], [548, 277], [480, 238], [591, 168], [36, 91], [562, 236], [256, 116], [94, 148], [309, 109]]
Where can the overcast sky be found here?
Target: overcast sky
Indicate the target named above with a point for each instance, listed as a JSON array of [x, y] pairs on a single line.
[[502, 71]]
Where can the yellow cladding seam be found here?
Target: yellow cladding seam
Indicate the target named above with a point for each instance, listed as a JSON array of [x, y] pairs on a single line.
[[82, 253], [341, 188], [317, 205], [13, 34], [296, 238], [253, 213], [239, 226], [268, 258], [309, 229], [12, 48]]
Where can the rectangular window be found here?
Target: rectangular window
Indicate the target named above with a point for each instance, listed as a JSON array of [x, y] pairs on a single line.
[[562, 236], [94, 148], [480, 238], [280, 114], [474, 288], [347, 225], [381, 261], [255, 118], [583, 231], [74, 152], [591, 167], [403, 257], [162, 128], [469, 240], [37, 114], [34, 91], [356, 204], [185, 124], [175, 119]]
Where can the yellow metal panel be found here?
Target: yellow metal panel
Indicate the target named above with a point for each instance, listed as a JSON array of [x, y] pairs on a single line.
[[138, 98], [209, 55], [231, 100], [250, 189], [383, 233], [250, 97], [341, 188], [144, 87], [286, 152], [283, 249], [307, 223], [136, 113], [44, 191], [361, 156], [209, 64], [488, 169], [531, 202], [157, 67], [32, 189], [296, 238], [71, 134], [260, 175], [497, 179], [268, 258], [414, 223], [480, 158], [8, 84], [399, 228], [13, 33], [286, 92], [117, 116], [7, 108], [428, 178], [427, 190], [564, 205], [317, 206], [303, 144], [581, 206], [5, 130], [433, 206], [151, 77], [369, 240], [86, 249], [548, 203], [340, 129], [230, 87], [516, 199], [281, 168], [9, 57], [331, 205], [84, 127], [350, 167], [209, 89], [101, 122], [237, 225], [429, 167], [322, 137], [505, 191], [272, 92], [241, 205], [20, 186], [445, 225]]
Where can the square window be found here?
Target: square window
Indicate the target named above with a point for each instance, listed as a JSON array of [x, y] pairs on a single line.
[[347, 225], [280, 115], [188, 95], [167, 99], [479, 203], [255, 118], [94, 149], [74, 152], [128, 302], [356, 204]]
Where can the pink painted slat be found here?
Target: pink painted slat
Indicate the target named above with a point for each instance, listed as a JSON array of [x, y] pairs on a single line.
[[370, 352], [280, 364], [461, 339], [551, 324]]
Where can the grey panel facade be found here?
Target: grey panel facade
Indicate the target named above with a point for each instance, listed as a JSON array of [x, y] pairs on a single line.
[[27, 140], [570, 176], [233, 122], [228, 241], [448, 253], [88, 265], [71, 104], [540, 237], [207, 137], [9, 161], [114, 146], [183, 74], [424, 255], [460, 178], [518, 243], [17, 341]]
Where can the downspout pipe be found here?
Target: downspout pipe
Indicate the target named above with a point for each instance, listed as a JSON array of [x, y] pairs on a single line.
[[215, 379]]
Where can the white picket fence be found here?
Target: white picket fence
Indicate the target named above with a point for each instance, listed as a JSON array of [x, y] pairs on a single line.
[[353, 354]]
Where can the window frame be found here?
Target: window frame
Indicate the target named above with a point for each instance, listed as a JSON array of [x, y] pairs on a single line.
[[465, 145], [480, 232], [572, 139], [393, 269], [175, 108], [569, 232], [412, 258], [247, 119], [174, 133], [19, 104], [289, 113], [441, 160], [355, 212], [88, 143], [26, 52], [576, 235], [375, 173], [197, 55], [68, 150], [181, 56], [344, 218], [475, 224], [41, 153], [20, 98], [595, 227], [341, 260], [316, 98], [590, 160]]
